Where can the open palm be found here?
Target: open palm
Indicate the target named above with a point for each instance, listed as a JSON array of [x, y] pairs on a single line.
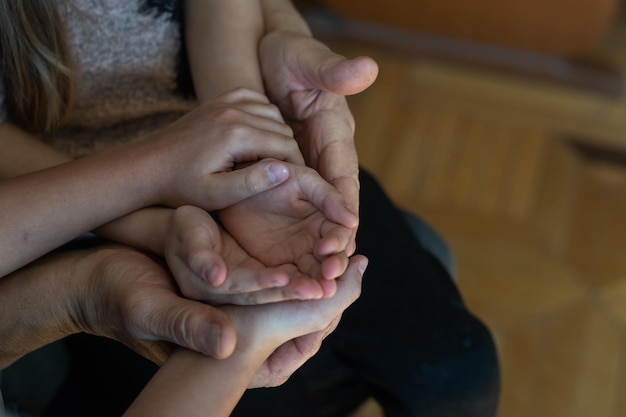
[[303, 223], [308, 83]]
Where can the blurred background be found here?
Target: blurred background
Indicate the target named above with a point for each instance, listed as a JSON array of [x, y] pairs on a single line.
[[503, 124]]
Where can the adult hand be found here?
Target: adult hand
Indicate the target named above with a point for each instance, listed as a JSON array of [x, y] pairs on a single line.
[[127, 296], [308, 83]]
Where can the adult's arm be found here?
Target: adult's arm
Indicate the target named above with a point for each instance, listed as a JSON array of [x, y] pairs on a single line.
[[309, 83]]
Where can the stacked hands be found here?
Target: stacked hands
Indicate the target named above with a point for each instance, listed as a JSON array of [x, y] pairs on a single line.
[[271, 269], [286, 242]]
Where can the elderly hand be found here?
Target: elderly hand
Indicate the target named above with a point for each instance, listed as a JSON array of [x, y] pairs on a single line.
[[128, 296], [308, 83]]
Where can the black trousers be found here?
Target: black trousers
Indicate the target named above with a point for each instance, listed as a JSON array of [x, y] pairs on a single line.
[[409, 341]]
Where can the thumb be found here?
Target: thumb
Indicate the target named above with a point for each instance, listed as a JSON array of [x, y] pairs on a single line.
[[193, 325], [336, 74], [239, 184]]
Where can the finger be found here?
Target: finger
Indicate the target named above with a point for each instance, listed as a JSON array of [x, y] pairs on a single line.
[[255, 144], [337, 161], [328, 71], [235, 186], [266, 296], [324, 196], [334, 266], [349, 284], [267, 111], [335, 239], [252, 102], [263, 117], [194, 260], [245, 280], [287, 359], [243, 95], [191, 324], [304, 285], [204, 267], [303, 288], [320, 313], [309, 265], [349, 188]]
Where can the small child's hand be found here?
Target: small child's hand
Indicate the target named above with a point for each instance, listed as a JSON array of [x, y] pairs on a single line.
[[302, 226], [208, 265], [197, 155]]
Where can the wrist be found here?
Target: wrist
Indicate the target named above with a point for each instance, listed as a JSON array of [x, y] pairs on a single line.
[[144, 229], [45, 292], [91, 302]]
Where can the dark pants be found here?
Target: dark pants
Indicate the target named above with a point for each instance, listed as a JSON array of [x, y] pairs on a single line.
[[409, 342]]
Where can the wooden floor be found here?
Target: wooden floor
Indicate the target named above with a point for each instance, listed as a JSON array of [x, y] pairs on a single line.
[[525, 180]]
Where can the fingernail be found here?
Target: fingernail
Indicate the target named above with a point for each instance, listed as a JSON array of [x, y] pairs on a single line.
[[214, 336], [363, 266], [277, 173], [211, 275]]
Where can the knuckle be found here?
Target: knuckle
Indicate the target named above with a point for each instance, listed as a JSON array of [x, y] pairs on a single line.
[[228, 114], [252, 183], [236, 132], [240, 93], [179, 328], [196, 259]]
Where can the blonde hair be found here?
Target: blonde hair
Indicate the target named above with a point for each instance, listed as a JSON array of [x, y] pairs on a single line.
[[35, 64]]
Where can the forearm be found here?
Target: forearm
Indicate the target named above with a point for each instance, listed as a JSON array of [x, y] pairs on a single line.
[[34, 307], [222, 42], [47, 208], [22, 153], [191, 384], [143, 229]]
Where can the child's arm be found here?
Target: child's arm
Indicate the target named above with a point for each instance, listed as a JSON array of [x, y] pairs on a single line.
[[190, 162], [222, 40]]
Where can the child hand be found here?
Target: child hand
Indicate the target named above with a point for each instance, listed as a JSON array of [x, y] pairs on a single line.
[[303, 222], [209, 265], [197, 154], [293, 331]]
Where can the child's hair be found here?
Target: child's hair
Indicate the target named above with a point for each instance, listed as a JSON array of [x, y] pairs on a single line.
[[35, 64]]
